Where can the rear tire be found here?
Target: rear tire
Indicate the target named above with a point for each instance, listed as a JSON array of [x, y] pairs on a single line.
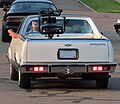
[[24, 80], [102, 83], [13, 73]]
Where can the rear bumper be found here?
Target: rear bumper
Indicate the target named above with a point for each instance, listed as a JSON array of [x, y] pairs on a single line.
[[69, 68], [85, 76]]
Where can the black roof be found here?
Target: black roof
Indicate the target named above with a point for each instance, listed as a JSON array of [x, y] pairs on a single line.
[[49, 1]]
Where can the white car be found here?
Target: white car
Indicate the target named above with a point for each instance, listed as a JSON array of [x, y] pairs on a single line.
[[85, 54]]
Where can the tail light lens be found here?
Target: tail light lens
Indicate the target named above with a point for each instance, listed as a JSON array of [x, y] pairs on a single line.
[[97, 68], [39, 69], [100, 68], [8, 20], [36, 69]]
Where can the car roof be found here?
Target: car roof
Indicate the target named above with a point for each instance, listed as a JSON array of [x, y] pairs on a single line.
[[49, 1], [30, 12]]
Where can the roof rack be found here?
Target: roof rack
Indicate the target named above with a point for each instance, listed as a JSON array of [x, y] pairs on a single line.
[[48, 23]]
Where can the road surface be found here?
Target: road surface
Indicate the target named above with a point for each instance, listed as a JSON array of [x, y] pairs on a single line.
[[64, 92]]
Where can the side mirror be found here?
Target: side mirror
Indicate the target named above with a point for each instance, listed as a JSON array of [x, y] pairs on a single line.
[[60, 10]]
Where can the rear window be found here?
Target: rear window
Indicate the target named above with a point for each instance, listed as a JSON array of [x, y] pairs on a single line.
[[31, 6], [77, 26], [72, 26]]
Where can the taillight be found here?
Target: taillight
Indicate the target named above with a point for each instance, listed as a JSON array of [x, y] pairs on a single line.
[[36, 69], [100, 68], [97, 68], [39, 69], [8, 20]]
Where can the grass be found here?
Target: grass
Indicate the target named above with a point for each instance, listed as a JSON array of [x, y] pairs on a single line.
[[109, 6]]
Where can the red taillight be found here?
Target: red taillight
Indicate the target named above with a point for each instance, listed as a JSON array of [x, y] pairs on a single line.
[[12, 20], [100, 68], [39, 69], [97, 68]]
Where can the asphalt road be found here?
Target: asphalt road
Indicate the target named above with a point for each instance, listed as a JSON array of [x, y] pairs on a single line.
[[64, 92]]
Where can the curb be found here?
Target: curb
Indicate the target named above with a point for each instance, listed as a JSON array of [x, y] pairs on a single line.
[[86, 6]]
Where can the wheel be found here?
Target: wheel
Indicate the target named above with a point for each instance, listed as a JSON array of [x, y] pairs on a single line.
[[13, 73], [102, 83], [5, 36], [24, 80], [119, 32]]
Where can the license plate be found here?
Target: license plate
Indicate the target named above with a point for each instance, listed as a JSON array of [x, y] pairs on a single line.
[[68, 54]]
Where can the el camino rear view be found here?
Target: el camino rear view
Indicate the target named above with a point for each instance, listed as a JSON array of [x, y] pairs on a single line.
[[64, 47]]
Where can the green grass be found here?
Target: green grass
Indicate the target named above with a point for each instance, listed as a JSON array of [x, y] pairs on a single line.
[[110, 6]]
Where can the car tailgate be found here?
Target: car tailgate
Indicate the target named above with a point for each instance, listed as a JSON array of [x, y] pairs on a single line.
[[66, 50]]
